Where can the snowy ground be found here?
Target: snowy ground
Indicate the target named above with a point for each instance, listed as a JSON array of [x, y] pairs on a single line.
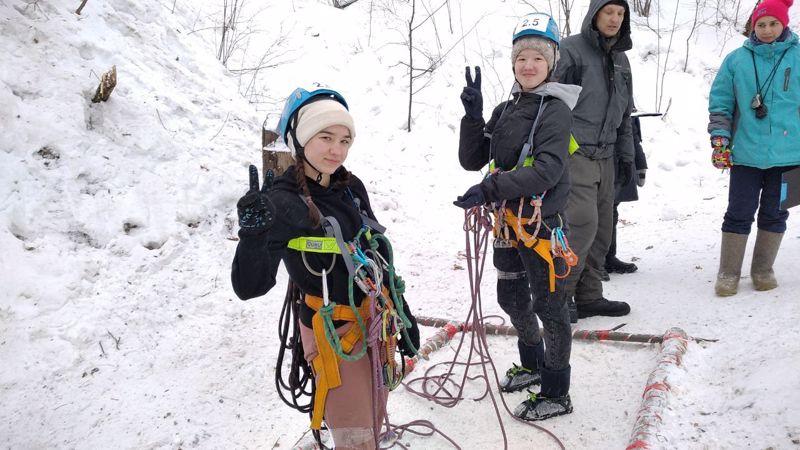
[[118, 327]]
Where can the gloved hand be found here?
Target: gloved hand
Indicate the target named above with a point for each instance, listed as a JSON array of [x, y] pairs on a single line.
[[471, 96], [624, 172], [256, 211], [720, 153], [472, 198], [641, 173], [413, 333]]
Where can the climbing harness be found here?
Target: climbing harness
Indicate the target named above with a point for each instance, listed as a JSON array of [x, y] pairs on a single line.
[[556, 247], [380, 319], [377, 322], [505, 220], [300, 381]]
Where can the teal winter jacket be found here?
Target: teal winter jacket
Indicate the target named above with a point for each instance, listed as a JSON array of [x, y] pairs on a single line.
[[774, 140]]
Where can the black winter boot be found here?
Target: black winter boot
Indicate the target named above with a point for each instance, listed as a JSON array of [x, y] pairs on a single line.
[[552, 401], [602, 307], [518, 378], [614, 265]]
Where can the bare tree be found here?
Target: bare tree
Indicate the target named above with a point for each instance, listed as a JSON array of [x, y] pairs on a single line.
[[249, 75], [80, 8], [698, 4], [566, 8], [666, 58], [411, 75], [433, 60], [231, 36], [642, 7]]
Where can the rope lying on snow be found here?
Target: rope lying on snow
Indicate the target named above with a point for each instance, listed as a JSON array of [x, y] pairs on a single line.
[[447, 389]]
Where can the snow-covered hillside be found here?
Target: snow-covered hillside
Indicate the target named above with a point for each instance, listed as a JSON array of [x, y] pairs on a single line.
[[118, 326]]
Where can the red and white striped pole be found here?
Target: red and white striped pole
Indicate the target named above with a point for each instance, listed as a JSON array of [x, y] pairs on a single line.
[[647, 431]]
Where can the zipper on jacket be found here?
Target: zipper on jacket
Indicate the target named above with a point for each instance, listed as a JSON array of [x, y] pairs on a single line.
[[608, 66], [786, 74]]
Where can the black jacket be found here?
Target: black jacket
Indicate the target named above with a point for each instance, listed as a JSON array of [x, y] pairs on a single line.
[[630, 192], [258, 257], [601, 118], [509, 128]]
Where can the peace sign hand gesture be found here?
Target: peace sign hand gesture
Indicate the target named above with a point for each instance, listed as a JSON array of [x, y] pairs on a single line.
[[471, 95], [256, 211]]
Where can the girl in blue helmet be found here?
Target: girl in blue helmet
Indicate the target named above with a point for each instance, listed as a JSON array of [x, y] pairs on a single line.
[[527, 142], [316, 218]]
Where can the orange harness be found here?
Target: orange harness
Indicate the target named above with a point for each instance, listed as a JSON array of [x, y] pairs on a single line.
[[541, 246], [326, 363]]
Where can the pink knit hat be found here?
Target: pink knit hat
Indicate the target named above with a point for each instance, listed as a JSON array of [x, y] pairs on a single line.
[[778, 9]]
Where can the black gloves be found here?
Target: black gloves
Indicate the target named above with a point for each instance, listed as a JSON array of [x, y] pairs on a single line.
[[642, 173], [473, 197], [624, 172], [413, 333], [256, 211], [471, 95]]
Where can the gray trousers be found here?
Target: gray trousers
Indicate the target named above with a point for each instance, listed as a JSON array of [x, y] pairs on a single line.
[[590, 210], [523, 291]]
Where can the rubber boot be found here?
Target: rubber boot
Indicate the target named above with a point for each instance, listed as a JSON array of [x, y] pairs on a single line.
[[767, 245], [730, 263]]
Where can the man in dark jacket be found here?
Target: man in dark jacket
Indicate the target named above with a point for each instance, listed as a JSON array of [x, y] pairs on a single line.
[[595, 60], [626, 193]]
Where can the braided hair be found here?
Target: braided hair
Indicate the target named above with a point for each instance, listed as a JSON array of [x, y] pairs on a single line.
[[300, 177], [343, 178]]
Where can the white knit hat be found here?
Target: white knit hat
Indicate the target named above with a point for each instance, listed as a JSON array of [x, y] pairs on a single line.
[[545, 47], [318, 115]]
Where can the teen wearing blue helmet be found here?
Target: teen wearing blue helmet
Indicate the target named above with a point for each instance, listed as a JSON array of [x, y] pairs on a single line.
[[298, 99], [527, 143], [318, 221]]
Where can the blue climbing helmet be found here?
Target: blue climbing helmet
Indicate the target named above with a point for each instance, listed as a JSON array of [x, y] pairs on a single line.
[[296, 100], [536, 24]]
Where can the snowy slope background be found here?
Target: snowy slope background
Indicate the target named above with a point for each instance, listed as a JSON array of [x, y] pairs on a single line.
[[118, 326]]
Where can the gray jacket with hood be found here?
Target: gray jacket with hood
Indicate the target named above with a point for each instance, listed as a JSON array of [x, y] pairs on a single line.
[[601, 119]]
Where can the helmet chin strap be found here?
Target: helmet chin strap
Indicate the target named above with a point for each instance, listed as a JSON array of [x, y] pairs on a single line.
[[299, 150], [318, 178]]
